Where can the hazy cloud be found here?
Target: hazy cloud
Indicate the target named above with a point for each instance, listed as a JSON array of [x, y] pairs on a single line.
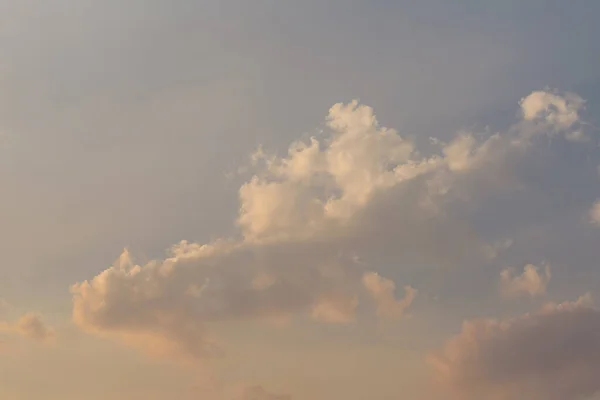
[[551, 354], [29, 325]]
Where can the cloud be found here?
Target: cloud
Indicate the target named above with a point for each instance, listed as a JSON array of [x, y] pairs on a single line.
[[382, 291], [561, 111], [29, 325], [595, 213], [551, 354], [532, 282], [360, 189]]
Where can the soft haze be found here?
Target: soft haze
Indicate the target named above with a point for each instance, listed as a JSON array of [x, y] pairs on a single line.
[[314, 200]]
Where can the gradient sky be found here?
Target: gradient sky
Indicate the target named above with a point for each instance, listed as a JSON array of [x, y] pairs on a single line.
[[438, 235]]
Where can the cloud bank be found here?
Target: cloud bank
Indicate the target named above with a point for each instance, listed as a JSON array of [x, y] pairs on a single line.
[[551, 354], [313, 224]]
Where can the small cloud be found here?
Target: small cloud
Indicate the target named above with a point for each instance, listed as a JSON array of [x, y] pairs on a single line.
[[532, 282], [577, 136], [551, 108], [31, 326], [436, 142], [382, 291]]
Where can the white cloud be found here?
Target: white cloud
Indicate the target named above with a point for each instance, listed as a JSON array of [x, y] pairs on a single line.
[[532, 282], [561, 111], [362, 190], [553, 354], [323, 183]]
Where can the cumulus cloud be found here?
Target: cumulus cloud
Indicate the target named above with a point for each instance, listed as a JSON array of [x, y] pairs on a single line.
[[532, 282], [361, 190], [551, 354], [561, 111], [29, 325]]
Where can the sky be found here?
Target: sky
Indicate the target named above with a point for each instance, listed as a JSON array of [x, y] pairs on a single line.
[[299, 200]]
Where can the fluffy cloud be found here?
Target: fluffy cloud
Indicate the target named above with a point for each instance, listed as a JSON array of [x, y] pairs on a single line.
[[532, 282], [29, 325], [557, 110], [551, 354], [360, 190]]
